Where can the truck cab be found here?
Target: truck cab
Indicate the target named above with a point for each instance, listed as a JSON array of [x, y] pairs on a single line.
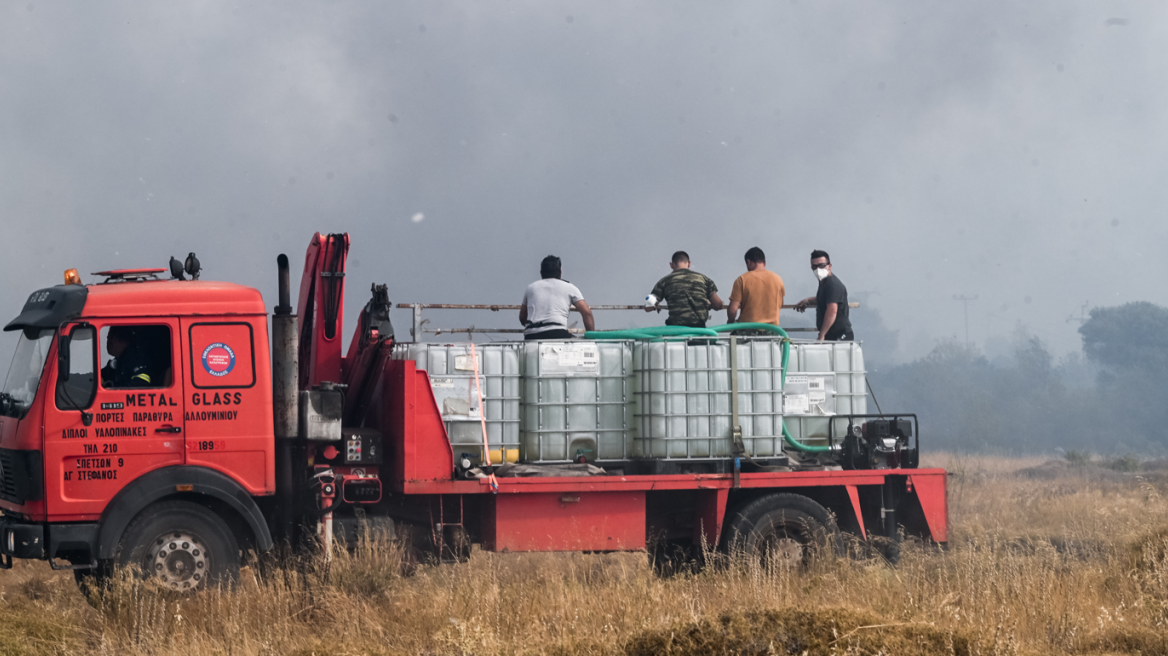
[[129, 396]]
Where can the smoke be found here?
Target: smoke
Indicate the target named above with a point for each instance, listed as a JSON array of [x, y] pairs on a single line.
[[1001, 150]]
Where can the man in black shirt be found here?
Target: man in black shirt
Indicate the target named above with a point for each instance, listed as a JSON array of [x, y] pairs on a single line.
[[831, 302], [130, 366]]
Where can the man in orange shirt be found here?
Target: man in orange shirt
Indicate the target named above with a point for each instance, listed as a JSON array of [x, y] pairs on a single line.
[[758, 292]]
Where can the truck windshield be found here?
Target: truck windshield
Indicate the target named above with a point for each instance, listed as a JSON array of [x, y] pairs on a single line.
[[24, 375]]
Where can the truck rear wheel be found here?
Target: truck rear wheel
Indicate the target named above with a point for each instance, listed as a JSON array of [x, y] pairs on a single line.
[[784, 528], [182, 544]]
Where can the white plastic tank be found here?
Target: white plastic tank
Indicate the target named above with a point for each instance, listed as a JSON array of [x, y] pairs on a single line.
[[553, 401], [682, 396], [576, 400], [451, 370], [833, 375]]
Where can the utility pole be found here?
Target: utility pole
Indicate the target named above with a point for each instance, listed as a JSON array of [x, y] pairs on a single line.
[[1082, 318], [965, 301]]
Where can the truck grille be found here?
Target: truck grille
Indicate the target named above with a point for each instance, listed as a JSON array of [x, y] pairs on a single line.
[[20, 475], [7, 475]]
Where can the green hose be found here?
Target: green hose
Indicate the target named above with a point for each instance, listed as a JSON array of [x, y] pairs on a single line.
[[768, 327], [681, 331]]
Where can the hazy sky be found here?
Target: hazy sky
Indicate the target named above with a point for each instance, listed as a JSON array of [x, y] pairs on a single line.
[[1012, 151]]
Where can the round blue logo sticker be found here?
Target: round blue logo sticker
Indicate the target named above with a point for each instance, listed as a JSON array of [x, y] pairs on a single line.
[[218, 359]]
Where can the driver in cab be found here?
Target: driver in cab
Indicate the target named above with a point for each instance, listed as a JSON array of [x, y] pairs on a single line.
[[129, 366]]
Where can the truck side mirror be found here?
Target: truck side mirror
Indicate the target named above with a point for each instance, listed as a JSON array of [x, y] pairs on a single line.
[[63, 342]]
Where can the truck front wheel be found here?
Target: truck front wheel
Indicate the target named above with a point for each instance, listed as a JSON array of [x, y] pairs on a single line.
[[182, 544]]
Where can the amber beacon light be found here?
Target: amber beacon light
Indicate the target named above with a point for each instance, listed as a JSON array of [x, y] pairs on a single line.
[[72, 277]]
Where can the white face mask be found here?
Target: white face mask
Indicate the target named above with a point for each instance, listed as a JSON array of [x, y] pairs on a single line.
[[822, 273]]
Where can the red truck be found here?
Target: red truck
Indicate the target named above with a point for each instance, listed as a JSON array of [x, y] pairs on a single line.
[[231, 439]]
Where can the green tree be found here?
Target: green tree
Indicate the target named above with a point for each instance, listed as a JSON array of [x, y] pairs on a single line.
[[1128, 338]]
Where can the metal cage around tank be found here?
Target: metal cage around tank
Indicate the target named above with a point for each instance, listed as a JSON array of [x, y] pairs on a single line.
[[683, 396], [628, 407], [576, 400], [452, 378]]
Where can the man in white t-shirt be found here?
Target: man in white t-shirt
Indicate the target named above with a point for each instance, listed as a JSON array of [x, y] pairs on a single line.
[[546, 303]]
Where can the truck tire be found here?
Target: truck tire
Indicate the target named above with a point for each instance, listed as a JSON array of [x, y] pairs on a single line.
[[183, 544], [670, 559], [785, 528], [886, 548]]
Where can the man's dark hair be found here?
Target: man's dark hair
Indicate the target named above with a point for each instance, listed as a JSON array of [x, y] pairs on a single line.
[[679, 257], [122, 333], [550, 267], [815, 255], [756, 255]]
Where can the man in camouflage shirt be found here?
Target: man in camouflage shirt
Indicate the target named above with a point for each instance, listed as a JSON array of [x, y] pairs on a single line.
[[689, 294]]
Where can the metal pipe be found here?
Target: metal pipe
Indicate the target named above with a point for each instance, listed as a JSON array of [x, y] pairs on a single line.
[[285, 361], [888, 503], [496, 308], [285, 399], [472, 330], [285, 306]]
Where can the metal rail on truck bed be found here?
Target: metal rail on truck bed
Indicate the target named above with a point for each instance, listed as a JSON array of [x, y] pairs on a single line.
[[418, 329]]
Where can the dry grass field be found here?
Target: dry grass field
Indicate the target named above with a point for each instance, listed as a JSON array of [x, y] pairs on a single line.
[[1044, 559]]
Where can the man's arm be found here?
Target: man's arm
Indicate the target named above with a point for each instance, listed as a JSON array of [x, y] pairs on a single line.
[[659, 292], [828, 319], [586, 314], [523, 313], [735, 300], [732, 311], [805, 303], [715, 302]]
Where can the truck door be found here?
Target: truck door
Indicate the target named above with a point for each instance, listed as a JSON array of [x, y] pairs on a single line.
[[228, 403], [136, 405]]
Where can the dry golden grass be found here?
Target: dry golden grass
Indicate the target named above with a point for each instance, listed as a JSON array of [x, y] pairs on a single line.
[[1076, 563]]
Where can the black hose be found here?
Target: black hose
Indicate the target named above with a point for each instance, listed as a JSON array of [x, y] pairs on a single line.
[[337, 503], [331, 292]]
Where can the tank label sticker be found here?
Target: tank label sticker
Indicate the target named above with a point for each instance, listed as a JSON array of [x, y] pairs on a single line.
[[579, 355], [441, 382], [816, 392], [463, 363], [218, 359], [113, 406], [809, 394], [569, 358], [796, 404]]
